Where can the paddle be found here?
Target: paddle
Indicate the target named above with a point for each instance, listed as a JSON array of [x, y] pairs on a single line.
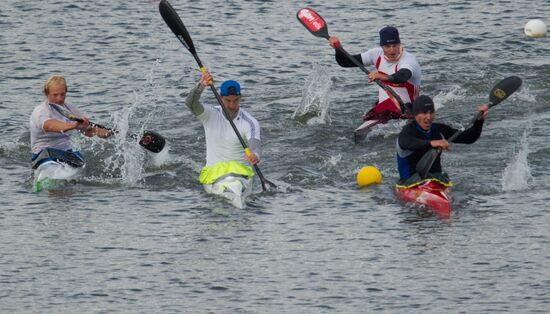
[[175, 23], [314, 23], [150, 140], [500, 92]]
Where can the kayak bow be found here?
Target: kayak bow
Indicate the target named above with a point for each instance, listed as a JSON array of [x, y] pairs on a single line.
[[234, 188], [54, 166], [430, 193]]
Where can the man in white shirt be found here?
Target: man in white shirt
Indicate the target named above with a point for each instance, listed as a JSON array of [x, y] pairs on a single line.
[[50, 128], [395, 67], [224, 152]]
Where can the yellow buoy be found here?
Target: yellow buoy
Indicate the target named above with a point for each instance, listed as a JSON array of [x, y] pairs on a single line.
[[368, 175]]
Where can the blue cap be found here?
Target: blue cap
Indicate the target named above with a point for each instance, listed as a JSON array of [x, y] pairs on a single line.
[[389, 35], [230, 87]]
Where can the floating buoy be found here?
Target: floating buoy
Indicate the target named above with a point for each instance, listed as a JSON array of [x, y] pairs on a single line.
[[535, 28], [368, 175]]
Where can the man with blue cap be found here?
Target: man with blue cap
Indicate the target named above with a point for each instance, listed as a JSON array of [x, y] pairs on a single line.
[[224, 152], [395, 67]]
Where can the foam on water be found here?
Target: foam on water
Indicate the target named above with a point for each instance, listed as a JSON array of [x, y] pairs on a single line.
[[444, 97]]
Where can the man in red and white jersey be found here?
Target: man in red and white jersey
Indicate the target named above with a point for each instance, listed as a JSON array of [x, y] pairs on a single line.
[[395, 67]]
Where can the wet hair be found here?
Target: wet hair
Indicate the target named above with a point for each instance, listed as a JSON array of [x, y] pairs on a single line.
[[54, 80]]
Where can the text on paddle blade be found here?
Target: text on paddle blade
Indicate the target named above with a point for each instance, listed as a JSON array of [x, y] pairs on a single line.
[[311, 20]]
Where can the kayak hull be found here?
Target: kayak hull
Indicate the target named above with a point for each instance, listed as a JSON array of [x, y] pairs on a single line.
[[361, 131], [51, 174], [371, 119], [235, 189], [430, 194]]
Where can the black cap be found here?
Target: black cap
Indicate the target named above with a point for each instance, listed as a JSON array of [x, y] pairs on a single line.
[[422, 104], [389, 35]]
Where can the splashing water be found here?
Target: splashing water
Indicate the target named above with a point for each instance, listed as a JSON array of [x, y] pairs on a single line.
[[314, 106], [128, 159], [443, 97], [517, 174]]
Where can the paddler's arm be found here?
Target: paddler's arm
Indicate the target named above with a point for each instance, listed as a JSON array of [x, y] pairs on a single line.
[[407, 141], [341, 58], [255, 149], [343, 61], [94, 130], [398, 77], [192, 99], [57, 126], [473, 133]]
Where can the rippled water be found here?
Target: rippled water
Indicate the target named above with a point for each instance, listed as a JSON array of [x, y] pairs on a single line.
[[138, 234]]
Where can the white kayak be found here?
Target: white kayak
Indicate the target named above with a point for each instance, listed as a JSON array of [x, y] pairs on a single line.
[[371, 120], [234, 188], [54, 168], [361, 131]]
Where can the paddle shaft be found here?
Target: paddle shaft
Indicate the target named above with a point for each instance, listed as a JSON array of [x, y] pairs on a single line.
[[95, 125], [151, 141], [64, 112], [477, 117]]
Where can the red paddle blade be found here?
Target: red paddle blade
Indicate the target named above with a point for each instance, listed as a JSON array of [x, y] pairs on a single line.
[[313, 22]]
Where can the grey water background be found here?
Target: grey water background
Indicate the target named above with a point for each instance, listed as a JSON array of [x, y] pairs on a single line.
[[138, 234]]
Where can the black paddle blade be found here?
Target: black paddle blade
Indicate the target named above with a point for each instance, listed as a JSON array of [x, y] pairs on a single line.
[[173, 21], [313, 22], [152, 141], [504, 88], [425, 163]]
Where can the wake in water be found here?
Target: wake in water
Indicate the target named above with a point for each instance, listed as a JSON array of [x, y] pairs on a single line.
[[517, 174], [314, 106]]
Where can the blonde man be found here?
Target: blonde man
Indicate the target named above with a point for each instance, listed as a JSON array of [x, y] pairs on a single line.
[[49, 124]]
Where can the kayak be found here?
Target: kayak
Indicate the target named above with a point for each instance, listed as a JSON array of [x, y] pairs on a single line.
[[52, 167], [371, 119], [431, 193], [234, 188], [361, 131]]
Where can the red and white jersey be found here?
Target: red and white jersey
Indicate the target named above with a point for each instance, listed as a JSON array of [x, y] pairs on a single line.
[[409, 90]]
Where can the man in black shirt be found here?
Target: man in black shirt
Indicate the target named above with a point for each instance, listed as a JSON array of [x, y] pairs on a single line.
[[422, 134]]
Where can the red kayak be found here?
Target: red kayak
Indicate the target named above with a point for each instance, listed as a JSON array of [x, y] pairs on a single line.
[[429, 193]]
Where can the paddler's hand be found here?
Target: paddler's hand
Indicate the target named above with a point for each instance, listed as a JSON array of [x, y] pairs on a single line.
[[334, 42], [443, 144], [252, 158], [83, 124], [484, 110], [375, 75], [206, 79]]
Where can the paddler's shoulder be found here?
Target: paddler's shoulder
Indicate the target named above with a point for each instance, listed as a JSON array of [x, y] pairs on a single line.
[[246, 115]]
